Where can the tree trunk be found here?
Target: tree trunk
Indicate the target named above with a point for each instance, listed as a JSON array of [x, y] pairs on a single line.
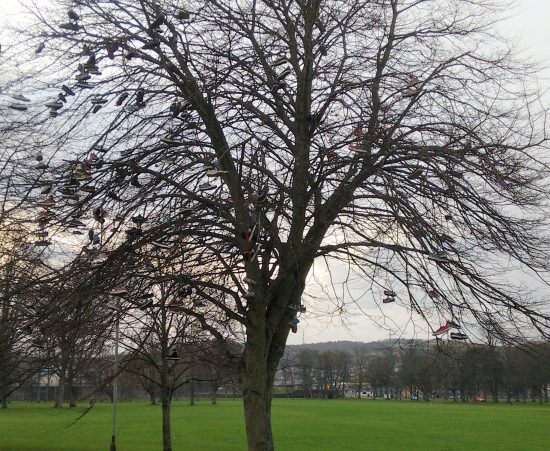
[[152, 397], [60, 391], [4, 351], [166, 433], [257, 392], [258, 368], [4, 389], [72, 392], [495, 392], [192, 395], [214, 395]]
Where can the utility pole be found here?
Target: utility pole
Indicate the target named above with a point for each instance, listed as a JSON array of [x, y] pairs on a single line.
[[113, 432]]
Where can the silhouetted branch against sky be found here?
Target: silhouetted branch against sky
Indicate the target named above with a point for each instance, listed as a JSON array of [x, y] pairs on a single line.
[[390, 146]]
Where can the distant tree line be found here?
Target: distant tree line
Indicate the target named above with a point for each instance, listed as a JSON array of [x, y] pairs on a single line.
[[458, 371], [418, 369], [201, 371]]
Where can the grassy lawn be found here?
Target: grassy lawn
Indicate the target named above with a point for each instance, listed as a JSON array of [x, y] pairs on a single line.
[[298, 425]]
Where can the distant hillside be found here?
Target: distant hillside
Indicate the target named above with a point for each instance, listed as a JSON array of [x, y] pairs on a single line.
[[371, 347]]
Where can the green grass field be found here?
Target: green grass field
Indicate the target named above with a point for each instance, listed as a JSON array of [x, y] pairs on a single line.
[[298, 425]]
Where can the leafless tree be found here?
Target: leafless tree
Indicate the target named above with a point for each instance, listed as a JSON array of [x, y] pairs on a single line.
[[76, 337], [218, 364], [308, 362], [20, 265], [397, 138], [163, 343], [360, 359]]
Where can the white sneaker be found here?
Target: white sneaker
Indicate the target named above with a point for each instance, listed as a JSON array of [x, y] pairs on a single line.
[[358, 148], [47, 202], [285, 73], [115, 307], [169, 142], [119, 292], [99, 100], [216, 173]]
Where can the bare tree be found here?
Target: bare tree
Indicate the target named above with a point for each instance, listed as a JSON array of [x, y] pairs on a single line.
[[20, 266], [378, 134], [164, 343], [219, 364], [308, 360], [380, 371], [360, 360], [76, 337], [418, 368]]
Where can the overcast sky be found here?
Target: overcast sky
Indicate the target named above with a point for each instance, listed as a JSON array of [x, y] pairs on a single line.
[[529, 30]]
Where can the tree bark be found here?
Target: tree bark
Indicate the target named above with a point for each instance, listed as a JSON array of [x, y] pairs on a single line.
[[60, 391], [257, 392], [260, 361], [4, 389], [71, 392], [152, 397], [4, 353], [214, 394], [4, 393], [166, 432], [192, 395]]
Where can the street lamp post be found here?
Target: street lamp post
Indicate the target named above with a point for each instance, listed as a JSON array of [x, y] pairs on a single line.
[[113, 431]]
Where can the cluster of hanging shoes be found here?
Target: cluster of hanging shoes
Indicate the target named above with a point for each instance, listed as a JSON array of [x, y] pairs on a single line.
[[390, 296], [447, 327], [80, 182]]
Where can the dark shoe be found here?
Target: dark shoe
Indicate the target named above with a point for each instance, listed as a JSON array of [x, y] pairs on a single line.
[[73, 15], [20, 97], [68, 91], [121, 98], [18, 106], [174, 356]]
